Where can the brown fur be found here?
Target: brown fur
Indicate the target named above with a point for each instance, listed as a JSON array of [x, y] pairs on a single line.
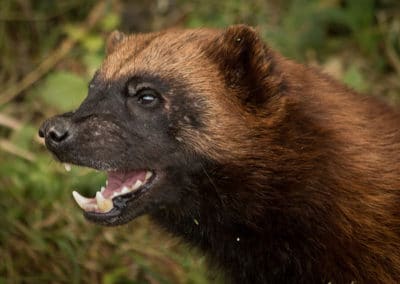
[[318, 160]]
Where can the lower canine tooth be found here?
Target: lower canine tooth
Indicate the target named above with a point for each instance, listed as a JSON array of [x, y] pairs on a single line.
[[103, 204]]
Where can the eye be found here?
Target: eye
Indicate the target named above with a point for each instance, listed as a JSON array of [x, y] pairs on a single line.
[[147, 97]]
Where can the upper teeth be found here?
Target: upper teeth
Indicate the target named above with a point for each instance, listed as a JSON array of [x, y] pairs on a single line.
[[148, 175], [124, 190], [137, 184], [101, 203]]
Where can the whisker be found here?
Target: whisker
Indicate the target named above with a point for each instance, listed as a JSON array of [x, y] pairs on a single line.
[[213, 184]]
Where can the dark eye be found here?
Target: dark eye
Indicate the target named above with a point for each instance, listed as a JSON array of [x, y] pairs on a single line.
[[146, 97]]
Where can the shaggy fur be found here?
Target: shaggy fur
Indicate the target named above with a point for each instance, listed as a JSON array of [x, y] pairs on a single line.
[[285, 175]]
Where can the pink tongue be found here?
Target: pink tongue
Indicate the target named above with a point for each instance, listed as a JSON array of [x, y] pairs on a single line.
[[117, 180]]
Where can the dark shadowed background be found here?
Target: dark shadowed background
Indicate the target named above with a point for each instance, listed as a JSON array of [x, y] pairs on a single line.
[[48, 52]]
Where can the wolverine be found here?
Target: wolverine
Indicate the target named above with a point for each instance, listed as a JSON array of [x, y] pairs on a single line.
[[276, 171]]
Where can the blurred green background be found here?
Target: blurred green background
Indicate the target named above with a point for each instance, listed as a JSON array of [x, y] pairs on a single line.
[[48, 52]]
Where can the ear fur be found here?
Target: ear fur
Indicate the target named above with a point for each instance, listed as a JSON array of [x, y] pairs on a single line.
[[113, 39], [247, 63]]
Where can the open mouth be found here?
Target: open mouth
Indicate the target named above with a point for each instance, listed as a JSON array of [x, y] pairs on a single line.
[[120, 185]]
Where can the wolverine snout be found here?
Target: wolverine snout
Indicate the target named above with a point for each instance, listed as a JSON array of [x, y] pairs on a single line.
[[56, 131]]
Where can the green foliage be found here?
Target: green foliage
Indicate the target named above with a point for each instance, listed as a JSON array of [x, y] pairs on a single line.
[[323, 25], [44, 238], [223, 13], [63, 90], [354, 78], [110, 22]]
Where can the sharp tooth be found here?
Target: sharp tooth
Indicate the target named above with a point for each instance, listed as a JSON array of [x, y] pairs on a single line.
[[102, 189], [148, 175], [106, 182], [67, 167], [83, 202], [137, 184], [104, 204], [125, 190], [92, 208]]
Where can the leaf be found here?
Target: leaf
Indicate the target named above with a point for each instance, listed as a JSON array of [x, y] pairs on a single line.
[[74, 31], [23, 138], [110, 22], [63, 90], [115, 275], [92, 43], [353, 78], [92, 62]]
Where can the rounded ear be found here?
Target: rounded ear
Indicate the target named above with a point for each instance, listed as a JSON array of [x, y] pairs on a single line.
[[113, 39], [246, 63]]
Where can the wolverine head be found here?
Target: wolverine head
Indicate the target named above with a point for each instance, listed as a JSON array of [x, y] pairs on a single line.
[[166, 114]]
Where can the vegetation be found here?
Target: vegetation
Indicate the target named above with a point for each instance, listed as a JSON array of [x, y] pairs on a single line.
[[48, 52]]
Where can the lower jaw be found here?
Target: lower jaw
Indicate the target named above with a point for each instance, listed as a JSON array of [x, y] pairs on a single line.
[[110, 205], [126, 208]]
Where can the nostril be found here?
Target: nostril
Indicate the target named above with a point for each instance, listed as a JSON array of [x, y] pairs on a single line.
[[41, 133], [58, 135], [56, 130]]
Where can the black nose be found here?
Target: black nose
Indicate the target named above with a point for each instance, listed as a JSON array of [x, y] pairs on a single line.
[[55, 130]]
